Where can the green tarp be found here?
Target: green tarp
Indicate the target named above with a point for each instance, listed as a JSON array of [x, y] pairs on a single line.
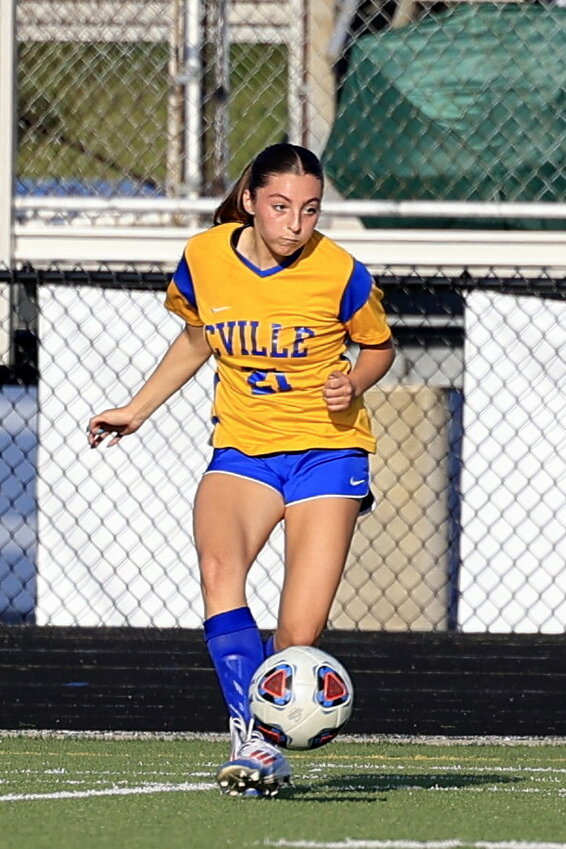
[[465, 105]]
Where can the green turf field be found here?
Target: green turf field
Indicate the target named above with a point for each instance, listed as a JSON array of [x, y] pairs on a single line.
[[83, 793]]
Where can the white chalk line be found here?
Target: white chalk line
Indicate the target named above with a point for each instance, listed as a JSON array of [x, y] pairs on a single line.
[[222, 737], [143, 789], [409, 844], [438, 769]]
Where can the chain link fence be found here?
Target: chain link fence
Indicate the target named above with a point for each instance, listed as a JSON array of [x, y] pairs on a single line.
[[470, 528], [404, 99]]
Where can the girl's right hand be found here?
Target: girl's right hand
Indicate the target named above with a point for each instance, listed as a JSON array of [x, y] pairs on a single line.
[[119, 422]]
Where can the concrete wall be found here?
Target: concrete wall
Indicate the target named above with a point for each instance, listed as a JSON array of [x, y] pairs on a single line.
[[397, 574]]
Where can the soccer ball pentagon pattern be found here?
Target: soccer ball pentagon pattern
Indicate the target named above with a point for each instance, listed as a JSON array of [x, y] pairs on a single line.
[[301, 697]]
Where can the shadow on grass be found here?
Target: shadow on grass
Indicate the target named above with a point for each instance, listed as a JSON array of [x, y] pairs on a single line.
[[374, 787]]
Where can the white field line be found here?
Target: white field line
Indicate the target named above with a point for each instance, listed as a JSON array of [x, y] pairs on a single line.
[[62, 771], [410, 844], [418, 788], [143, 789], [439, 768], [544, 791], [363, 739]]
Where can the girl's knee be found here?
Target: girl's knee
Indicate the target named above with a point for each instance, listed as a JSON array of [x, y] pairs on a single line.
[[220, 577], [301, 634], [213, 569]]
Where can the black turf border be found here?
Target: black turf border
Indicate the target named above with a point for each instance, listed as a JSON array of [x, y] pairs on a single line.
[[137, 679]]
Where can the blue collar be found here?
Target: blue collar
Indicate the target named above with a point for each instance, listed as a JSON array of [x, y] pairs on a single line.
[[267, 272]]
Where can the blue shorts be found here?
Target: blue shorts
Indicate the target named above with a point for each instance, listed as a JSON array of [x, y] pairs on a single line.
[[302, 475]]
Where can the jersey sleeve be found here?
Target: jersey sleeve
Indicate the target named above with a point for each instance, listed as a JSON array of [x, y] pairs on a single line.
[[180, 297], [361, 310]]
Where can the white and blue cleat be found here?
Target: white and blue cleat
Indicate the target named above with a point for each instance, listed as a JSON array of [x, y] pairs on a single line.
[[255, 768]]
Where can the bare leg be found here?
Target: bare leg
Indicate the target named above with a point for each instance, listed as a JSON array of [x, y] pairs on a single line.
[[233, 518], [318, 534]]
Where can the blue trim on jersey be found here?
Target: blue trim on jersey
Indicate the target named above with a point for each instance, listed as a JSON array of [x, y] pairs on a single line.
[[184, 282], [268, 272], [356, 293]]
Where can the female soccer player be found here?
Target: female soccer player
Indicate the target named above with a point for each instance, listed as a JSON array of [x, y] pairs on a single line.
[[275, 302]]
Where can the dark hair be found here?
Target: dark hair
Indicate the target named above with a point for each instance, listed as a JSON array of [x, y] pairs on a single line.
[[277, 159]]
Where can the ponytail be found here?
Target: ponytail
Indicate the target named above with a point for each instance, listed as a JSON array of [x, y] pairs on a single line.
[[277, 159], [232, 207]]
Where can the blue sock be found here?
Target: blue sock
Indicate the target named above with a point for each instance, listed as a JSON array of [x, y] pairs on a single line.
[[269, 646], [236, 649]]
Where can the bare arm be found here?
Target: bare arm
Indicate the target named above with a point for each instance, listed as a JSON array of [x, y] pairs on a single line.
[[374, 361], [183, 359]]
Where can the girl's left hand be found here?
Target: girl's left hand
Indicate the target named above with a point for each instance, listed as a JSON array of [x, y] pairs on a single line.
[[338, 392]]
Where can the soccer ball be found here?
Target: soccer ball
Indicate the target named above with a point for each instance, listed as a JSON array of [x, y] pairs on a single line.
[[301, 697]]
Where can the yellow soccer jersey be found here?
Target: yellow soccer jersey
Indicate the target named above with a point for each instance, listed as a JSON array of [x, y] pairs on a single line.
[[276, 335]]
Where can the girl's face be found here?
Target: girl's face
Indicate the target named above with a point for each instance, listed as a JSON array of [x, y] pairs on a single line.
[[285, 211]]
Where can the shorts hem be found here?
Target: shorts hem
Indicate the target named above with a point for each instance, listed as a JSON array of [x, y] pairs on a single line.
[[243, 477], [326, 495]]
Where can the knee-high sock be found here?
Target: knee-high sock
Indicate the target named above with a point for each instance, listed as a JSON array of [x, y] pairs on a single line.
[[236, 649]]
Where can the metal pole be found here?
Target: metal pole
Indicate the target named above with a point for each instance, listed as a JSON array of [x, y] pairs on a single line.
[[320, 79], [296, 71], [193, 98], [43, 207], [8, 114], [7, 126], [220, 39], [175, 102]]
